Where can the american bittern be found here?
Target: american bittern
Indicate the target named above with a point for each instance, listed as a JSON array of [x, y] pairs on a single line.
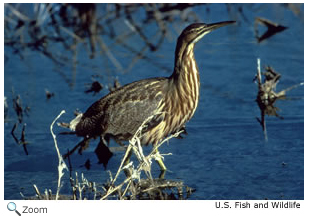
[[173, 100]]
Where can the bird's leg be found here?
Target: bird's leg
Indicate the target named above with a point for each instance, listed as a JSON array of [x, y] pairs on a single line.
[[81, 145], [162, 174], [160, 161]]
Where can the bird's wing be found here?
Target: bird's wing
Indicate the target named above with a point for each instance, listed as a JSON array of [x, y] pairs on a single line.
[[133, 108], [121, 112]]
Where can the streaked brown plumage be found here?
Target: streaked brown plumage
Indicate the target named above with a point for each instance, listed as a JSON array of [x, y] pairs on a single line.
[[172, 99]]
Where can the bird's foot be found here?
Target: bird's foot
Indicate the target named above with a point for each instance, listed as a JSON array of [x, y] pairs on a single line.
[[159, 159]]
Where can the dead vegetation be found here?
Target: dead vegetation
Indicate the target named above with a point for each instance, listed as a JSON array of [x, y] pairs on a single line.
[[267, 95], [130, 181]]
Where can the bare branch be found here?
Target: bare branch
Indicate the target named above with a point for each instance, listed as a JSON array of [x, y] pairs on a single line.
[[62, 164]]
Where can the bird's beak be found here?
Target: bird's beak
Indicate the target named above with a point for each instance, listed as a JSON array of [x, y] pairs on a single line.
[[211, 27]]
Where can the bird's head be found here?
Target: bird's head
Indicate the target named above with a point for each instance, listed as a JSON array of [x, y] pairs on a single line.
[[191, 35], [194, 32]]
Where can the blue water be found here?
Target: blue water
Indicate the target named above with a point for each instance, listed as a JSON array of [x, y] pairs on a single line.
[[224, 155]]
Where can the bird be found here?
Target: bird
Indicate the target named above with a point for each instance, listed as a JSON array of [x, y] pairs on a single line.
[[170, 101]]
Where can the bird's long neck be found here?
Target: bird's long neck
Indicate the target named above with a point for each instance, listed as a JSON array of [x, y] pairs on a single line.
[[185, 79], [185, 67]]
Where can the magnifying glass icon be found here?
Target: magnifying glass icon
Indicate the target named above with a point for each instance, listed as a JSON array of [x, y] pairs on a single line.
[[12, 207]]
